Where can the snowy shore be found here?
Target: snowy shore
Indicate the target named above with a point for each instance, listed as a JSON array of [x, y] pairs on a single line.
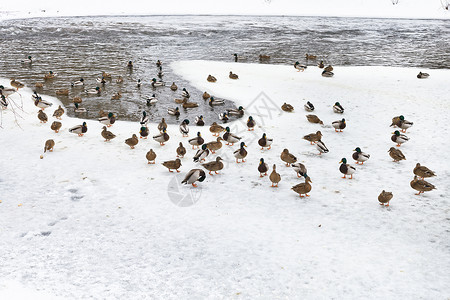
[[94, 219]]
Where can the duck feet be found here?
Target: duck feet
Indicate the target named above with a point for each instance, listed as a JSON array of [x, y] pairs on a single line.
[[194, 185]]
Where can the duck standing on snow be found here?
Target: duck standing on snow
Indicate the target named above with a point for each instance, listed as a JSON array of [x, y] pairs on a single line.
[[201, 154], [162, 125], [399, 138], [275, 177], [162, 137], [144, 119], [215, 145], [194, 175], [174, 111], [287, 107], [174, 87], [337, 108], [339, 125], [56, 126], [49, 144], [264, 142], [287, 157], [197, 141], [42, 116], [143, 132], [3, 102], [211, 78], [42, 104], [240, 153], [107, 135], [327, 73], [299, 169], [262, 168], [216, 129], [214, 166], [314, 119], [421, 185], [396, 154], [384, 198], [184, 128], [303, 188], [251, 124], [151, 157], [172, 164], [233, 76], [299, 67], [79, 129], [151, 99], [181, 151], [360, 156], [7, 91], [313, 137], [320, 146], [346, 169], [329, 68], [423, 172], [401, 123], [230, 138], [109, 120], [199, 121], [132, 141], [58, 112], [423, 75], [321, 65], [309, 106]]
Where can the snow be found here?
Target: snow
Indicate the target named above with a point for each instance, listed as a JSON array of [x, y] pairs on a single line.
[[93, 219]]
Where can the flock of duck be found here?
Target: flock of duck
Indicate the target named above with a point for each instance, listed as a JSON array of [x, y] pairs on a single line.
[[240, 154]]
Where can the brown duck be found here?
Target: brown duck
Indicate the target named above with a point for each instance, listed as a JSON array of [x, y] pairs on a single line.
[[287, 107], [187, 104], [274, 177], [314, 119], [162, 125], [396, 154], [56, 126], [206, 95], [214, 166], [287, 157], [211, 78], [172, 164], [215, 145], [181, 151], [132, 141], [58, 112], [49, 144], [216, 129], [385, 197], [233, 76], [150, 156], [42, 116], [107, 135], [421, 185], [313, 137], [423, 172], [303, 188]]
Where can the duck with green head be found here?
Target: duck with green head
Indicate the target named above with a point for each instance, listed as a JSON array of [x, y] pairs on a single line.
[[360, 156], [230, 138], [346, 169], [240, 153], [399, 138]]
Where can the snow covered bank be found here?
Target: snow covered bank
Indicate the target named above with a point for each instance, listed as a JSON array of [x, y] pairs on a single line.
[[94, 219]]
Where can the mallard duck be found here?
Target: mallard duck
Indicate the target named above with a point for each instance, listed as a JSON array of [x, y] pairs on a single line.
[[199, 121], [160, 73], [233, 76], [108, 120], [303, 188], [321, 65], [49, 75], [230, 138], [42, 104], [187, 104], [197, 141], [151, 99], [77, 83], [162, 125], [56, 126], [139, 83], [309, 106], [314, 119], [320, 146], [328, 68], [16, 84], [39, 85], [423, 75], [327, 74], [206, 95], [339, 125], [27, 61], [400, 122], [106, 75], [239, 112], [184, 128], [214, 166], [313, 137], [310, 56], [79, 109], [287, 157], [396, 154], [213, 101], [3, 102], [79, 129], [42, 116], [264, 142], [421, 185], [201, 154], [224, 117], [299, 67], [151, 157], [159, 63], [251, 124], [174, 87], [194, 175], [119, 79], [77, 100], [162, 137], [49, 144], [423, 172], [143, 132], [287, 107], [263, 57], [107, 135], [62, 92], [346, 169], [237, 58], [132, 141], [94, 91], [240, 153], [215, 145], [185, 93], [116, 96], [399, 138], [299, 169], [337, 108], [275, 177], [262, 168], [35, 96], [173, 111], [58, 112], [385, 197], [101, 80], [359, 156], [157, 83], [211, 78], [216, 129], [7, 91], [179, 100], [144, 119], [181, 151], [172, 164]]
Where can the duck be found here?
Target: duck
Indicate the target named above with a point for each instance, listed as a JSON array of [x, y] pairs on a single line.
[[287, 107], [263, 57], [181, 151], [119, 79], [39, 85], [35, 96], [287, 157], [107, 135], [309, 106], [101, 80], [79, 129], [346, 169], [162, 125], [328, 68], [215, 145], [423, 75], [251, 124], [230, 138], [299, 67], [327, 74], [184, 128], [237, 58], [213, 101], [77, 83], [157, 83], [174, 87], [7, 91], [49, 75], [162, 137], [49, 144], [264, 142], [214, 166], [206, 96], [360, 156], [320, 146], [310, 56], [275, 177], [79, 109], [143, 132], [396, 154], [42, 104], [116, 96], [77, 100], [216, 129], [194, 175], [199, 121], [421, 185], [28, 61], [211, 78], [339, 125], [240, 153], [16, 84], [56, 126], [423, 172], [233, 76], [42, 116], [201, 154], [185, 93], [159, 63], [399, 138], [160, 73], [58, 112], [106, 75], [151, 157], [173, 111], [139, 83], [313, 137], [3, 102], [179, 100], [337, 108], [400, 122], [299, 169], [132, 141], [109, 120], [62, 92], [151, 99], [187, 104], [144, 119], [262, 168], [224, 117], [314, 119], [172, 165], [384, 198], [321, 65], [239, 112], [303, 188], [197, 141], [94, 91]]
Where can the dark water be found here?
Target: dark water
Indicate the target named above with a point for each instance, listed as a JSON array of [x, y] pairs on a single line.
[[85, 46]]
